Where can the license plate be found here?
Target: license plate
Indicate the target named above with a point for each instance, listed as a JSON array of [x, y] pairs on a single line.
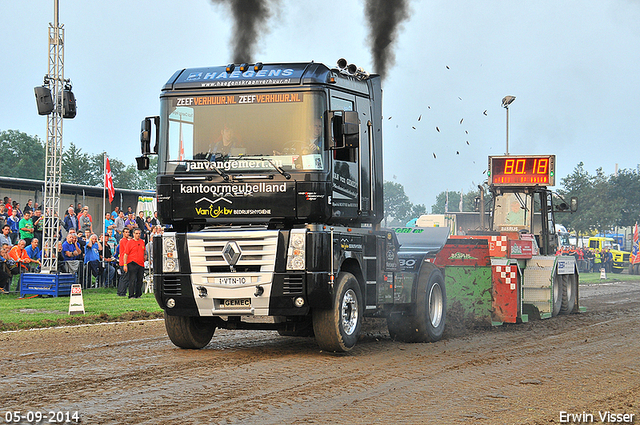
[[239, 303], [231, 280]]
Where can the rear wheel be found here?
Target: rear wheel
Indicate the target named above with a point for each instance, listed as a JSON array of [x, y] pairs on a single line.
[[338, 329], [569, 292], [189, 332], [426, 324]]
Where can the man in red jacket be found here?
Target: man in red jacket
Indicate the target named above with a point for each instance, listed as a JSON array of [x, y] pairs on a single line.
[[134, 264]]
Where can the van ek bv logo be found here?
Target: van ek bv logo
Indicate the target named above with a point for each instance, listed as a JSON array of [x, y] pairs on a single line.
[[214, 212]]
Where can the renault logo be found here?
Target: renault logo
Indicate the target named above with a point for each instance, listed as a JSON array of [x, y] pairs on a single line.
[[231, 253]]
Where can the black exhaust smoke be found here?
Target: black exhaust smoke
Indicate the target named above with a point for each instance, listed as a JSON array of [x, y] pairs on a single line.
[[249, 21], [384, 18]]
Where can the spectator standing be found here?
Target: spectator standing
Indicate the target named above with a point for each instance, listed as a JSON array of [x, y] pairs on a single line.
[[38, 222], [115, 213], [5, 237], [124, 278], [85, 221], [26, 228], [8, 205], [155, 221], [28, 207], [3, 216], [108, 223], [140, 223], [14, 224], [16, 207], [134, 264], [71, 220], [119, 223], [78, 208]]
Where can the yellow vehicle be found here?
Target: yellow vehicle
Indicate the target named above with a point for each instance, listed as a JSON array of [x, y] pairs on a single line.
[[621, 259]]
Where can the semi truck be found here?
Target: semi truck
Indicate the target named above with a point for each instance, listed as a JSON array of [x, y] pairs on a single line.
[[621, 259], [270, 176]]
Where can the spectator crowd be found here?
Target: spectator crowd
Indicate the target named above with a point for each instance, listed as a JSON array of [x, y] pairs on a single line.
[[115, 255]]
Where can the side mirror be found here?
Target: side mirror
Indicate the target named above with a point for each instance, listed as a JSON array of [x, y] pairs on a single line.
[[145, 138], [351, 129], [344, 127], [574, 204], [142, 162]]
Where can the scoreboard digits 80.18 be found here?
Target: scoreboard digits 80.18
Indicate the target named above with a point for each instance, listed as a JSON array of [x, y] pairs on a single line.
[[522, 170]]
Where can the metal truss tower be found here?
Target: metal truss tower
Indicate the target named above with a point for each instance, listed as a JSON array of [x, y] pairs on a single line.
[[53, 150]]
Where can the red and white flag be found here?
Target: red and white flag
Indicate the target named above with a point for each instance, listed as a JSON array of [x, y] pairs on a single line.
[[108, 181]]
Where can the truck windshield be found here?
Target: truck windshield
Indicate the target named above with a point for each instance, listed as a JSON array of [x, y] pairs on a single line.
[[243, 132], [512, 212]]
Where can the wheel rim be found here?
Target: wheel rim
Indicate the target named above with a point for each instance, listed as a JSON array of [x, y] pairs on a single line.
[[436, 305], [349, 312]]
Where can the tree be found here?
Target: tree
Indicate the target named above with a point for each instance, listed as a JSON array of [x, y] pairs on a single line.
[[22, 155], [398, 209]]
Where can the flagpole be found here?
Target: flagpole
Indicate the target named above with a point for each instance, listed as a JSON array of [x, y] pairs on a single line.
[[104, 203]]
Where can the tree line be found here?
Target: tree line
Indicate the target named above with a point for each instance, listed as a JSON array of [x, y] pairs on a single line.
[[23, 156]]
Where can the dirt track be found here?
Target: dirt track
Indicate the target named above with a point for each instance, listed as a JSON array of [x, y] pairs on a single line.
[[130, 373]]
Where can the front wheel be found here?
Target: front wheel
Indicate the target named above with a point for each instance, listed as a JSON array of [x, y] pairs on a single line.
[[188, 332], [338, 329], [558, 290]]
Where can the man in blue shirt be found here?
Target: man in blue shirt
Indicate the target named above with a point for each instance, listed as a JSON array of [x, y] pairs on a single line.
[[35, 254]]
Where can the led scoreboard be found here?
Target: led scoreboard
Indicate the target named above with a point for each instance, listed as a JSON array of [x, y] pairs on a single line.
[[522, 170]]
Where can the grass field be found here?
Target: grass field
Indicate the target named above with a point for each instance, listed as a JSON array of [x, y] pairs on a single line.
[[101, 305]]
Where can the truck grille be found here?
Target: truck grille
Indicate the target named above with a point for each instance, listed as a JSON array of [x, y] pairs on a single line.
[[625, 257], [257, 251]]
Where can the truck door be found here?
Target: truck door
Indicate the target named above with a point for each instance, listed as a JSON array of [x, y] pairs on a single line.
[[345, 168]]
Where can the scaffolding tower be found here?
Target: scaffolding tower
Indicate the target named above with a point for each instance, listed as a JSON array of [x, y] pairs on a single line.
[[53, 151]]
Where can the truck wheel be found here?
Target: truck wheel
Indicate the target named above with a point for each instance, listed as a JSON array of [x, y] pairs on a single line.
[[569, 291], [427, 322], [558, 291], [188, 332], [338, 329]]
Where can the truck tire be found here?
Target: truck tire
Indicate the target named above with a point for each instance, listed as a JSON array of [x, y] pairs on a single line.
[[427, 322], [557, 293], [338, 329], [188, 332], [569, 292]]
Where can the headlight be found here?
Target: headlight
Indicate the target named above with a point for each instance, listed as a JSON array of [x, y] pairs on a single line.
[[170, 261], [296, 251]]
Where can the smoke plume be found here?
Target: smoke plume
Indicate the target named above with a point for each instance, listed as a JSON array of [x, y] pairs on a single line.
[[384, 18], [249, 22]]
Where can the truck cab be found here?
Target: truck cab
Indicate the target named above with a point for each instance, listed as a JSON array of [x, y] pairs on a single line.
[[271, 178], [621, 259]]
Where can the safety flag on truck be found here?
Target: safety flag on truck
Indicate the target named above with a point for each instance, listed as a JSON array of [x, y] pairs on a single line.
[[636, 246], [108, 181]]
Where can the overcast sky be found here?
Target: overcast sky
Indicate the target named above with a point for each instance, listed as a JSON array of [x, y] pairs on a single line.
[[572, 65]]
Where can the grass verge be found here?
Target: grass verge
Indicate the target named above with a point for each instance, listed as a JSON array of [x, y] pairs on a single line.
[[100, 305], [587, 278]]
